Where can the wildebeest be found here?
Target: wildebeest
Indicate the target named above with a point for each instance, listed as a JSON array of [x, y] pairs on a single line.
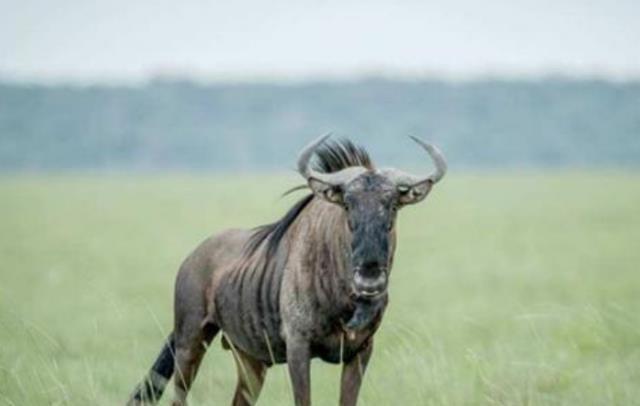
[[313, 284]]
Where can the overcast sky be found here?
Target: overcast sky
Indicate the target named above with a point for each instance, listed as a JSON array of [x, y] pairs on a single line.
[[129, 40]]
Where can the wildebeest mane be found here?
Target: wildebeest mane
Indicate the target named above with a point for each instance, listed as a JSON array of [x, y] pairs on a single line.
[[330, 157], [338, 155]]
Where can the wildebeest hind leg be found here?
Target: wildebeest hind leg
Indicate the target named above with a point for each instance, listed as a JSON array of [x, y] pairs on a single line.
[[251, 374], [191, 346]]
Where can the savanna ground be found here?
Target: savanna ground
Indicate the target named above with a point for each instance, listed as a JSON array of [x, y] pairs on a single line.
[[518, 289]]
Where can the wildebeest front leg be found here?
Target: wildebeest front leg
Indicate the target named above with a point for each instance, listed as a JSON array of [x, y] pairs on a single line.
[[298, 359], [352, 375]]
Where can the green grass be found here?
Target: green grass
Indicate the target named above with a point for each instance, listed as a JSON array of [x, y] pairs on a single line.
[[519, 289]]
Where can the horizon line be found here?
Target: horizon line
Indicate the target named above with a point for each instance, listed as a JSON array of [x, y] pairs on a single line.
[[295, 79]]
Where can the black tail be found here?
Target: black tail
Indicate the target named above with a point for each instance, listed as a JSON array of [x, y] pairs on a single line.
[[150, 389]]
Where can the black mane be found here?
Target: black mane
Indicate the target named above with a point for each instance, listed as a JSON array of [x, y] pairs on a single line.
[[334, 156], [330, 157]]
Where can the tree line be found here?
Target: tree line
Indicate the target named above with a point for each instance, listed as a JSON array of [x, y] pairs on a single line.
[[178, 124]]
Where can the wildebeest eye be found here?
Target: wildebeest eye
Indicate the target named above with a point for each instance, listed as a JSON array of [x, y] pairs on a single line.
[[333, 194]]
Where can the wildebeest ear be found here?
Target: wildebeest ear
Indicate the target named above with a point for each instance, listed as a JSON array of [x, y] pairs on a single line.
[[410, 194], [330, 193]]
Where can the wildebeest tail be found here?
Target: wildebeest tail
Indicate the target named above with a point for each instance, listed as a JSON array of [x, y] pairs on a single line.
[[150, 389]]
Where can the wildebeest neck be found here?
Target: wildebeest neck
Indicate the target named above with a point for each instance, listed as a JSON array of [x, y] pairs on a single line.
[[324, 232]]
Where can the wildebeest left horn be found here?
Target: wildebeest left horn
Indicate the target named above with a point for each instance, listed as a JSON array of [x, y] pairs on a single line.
[[407, 179], [335, 179]]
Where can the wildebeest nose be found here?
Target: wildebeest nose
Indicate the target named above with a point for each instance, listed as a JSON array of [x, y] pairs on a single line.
[[370, 269]]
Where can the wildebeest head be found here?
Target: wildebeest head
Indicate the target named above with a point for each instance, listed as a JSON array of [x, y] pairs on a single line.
[[371, 198]]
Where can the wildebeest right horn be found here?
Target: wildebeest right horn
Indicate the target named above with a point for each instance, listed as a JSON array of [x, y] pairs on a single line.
[[407, 179], [338, 178]]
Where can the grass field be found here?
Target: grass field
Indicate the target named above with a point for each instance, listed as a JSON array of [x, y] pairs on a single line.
[[519, 289]]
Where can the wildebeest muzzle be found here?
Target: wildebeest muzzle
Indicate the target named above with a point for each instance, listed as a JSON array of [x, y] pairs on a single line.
[[369, 280]]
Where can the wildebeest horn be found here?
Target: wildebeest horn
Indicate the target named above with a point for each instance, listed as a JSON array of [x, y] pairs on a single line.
[[335, 179], [403, 178]]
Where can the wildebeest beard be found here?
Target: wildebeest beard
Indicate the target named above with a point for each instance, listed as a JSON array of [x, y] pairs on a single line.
[[365, 311]]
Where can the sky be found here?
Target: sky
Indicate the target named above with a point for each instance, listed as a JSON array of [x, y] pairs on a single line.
[[125, 40]]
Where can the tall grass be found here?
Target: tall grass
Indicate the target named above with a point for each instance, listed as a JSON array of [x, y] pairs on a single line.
[[519, 289]]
